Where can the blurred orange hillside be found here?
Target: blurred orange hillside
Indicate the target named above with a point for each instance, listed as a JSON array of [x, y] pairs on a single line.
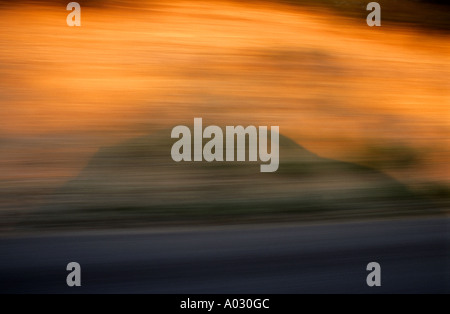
[[332, 84]]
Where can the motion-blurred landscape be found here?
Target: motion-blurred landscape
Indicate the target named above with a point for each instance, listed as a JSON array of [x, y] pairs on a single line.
[[374, 97], [86, 173]]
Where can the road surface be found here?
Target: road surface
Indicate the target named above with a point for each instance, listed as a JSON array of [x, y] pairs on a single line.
[[321, 258]]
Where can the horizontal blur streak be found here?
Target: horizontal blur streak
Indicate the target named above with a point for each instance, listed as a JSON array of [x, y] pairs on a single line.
[[375, 96], [329, 258]]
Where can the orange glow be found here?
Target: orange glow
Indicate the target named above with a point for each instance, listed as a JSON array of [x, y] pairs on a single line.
[[330, 82]]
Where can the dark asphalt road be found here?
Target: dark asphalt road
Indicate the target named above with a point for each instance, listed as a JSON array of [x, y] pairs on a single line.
[[328, 258]]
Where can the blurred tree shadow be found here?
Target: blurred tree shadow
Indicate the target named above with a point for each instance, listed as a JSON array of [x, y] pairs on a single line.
[[136, 183]]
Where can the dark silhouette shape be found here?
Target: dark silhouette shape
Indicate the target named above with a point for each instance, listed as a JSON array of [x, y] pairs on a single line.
[[138, 182]]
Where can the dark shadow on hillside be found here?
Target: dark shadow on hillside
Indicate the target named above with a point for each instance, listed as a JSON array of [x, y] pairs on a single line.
[[136, 183]]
